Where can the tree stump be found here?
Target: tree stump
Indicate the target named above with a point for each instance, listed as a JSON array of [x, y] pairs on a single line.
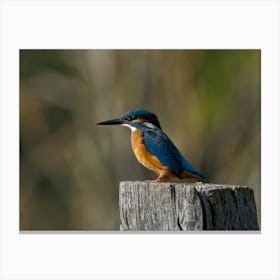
[[186, 207]]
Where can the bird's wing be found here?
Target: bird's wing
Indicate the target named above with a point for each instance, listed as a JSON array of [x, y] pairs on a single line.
[[158, 143]]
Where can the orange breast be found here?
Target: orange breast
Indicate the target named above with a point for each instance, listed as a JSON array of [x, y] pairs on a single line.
[[145, 157]]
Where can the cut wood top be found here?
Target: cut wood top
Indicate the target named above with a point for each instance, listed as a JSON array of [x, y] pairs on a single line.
[[186, 206]]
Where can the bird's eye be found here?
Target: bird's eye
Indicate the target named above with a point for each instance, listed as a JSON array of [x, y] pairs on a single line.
[[127, 118]]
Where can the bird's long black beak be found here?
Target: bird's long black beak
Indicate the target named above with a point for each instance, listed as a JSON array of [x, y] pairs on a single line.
[[112, 122]]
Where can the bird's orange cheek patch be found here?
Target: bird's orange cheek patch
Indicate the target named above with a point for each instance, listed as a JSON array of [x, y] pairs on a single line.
[[139, 120]]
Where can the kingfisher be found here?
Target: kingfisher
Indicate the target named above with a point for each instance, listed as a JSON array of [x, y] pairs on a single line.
[[153, 148]]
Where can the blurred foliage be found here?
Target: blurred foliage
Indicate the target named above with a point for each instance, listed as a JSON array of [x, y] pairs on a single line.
[[208, 102]]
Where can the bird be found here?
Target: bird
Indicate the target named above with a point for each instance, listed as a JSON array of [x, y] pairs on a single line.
[[153, 148]]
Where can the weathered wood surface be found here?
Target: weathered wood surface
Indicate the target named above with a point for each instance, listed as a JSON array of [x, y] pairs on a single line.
[[186, 206]]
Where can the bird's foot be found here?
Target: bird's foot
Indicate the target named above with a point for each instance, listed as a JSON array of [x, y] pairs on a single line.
[[158, 179]]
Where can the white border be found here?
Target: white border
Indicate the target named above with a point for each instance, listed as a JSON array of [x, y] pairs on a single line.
[[155, 24]]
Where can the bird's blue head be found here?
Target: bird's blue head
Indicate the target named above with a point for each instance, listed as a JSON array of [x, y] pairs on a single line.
[[142, 116], [135, 118]]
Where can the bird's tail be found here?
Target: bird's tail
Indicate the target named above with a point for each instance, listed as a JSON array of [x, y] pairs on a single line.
[[190, 172], [190, 175]]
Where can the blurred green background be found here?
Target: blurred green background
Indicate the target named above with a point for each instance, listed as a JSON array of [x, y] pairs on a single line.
[[208, 102]]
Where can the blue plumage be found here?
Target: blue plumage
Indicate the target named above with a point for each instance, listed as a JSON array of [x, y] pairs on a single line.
[[158, 144], [142, 114], [152, 146]]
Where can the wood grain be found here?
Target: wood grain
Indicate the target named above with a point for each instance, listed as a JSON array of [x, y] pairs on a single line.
[[186, 207]]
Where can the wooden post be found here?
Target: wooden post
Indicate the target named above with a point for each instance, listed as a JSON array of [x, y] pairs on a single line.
[[186, 206]]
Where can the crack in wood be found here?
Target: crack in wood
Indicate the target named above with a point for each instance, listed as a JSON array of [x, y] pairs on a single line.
[[186, 206]]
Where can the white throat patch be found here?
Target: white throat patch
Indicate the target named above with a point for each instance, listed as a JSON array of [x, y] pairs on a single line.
[[132, 128]]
